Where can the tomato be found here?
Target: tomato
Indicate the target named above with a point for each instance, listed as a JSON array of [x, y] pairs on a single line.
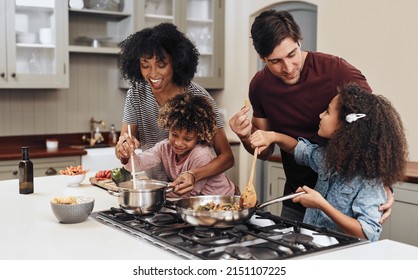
[[104, 174]]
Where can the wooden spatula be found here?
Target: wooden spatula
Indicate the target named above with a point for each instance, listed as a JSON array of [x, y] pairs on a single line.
[[248, 197]]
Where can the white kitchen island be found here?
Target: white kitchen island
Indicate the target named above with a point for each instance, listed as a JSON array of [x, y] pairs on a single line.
[[30, 231]]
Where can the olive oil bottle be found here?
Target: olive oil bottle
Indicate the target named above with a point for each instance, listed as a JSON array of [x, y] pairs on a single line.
[[25, 173]]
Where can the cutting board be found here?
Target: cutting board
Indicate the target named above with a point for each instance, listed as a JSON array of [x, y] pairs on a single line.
[[110, 185], [105, 184]]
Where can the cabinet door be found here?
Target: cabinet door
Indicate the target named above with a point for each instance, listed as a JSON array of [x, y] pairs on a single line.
[[158, 11], [41, 166], [3, 62], [275, 185], [402, 225], [98, 28], [36, 44], [203, 22]]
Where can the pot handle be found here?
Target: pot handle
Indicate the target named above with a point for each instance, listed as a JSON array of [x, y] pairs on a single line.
[[279, 199], [169, 189], [117, 194]]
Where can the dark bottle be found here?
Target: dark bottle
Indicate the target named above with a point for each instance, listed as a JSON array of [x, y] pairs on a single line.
[[25, 173]]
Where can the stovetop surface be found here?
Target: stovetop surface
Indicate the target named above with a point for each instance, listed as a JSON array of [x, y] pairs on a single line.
[[264, 236]]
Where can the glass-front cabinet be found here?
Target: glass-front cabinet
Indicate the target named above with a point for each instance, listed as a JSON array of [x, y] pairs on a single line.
[[203, 22], [34, 44], [97, 26]]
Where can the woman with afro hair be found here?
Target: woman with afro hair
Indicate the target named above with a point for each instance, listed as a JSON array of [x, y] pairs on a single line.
[[191, 126], [366, 151], [160, 63]]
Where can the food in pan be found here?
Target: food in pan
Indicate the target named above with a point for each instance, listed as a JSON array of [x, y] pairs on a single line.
[[212, 207]]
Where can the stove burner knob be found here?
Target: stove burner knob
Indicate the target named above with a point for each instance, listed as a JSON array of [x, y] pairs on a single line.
[[237, 253]]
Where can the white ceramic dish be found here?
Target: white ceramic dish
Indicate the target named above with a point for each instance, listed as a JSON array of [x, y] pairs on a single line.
[[74, 180], [26, 38]]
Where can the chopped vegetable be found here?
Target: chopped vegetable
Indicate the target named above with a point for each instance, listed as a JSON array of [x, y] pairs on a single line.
[[120, 175]]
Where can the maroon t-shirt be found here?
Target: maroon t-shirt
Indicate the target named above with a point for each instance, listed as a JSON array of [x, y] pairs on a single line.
[[294, 109]]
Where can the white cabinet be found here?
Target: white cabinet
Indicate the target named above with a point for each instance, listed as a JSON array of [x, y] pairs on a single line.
[[33, 38], [233, 172], [203, 22], [41, 166], [98, 29], [276, 180], [402, 225]]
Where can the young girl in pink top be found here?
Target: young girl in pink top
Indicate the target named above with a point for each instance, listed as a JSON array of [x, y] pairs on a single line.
[[192, 126]]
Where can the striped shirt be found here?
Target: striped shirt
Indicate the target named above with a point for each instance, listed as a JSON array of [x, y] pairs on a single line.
[[141, 109]]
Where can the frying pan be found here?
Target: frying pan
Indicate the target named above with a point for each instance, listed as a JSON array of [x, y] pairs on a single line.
[[219, 219]]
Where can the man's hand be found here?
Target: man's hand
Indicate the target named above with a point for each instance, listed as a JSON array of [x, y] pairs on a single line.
[[387, 207], [241, 124]]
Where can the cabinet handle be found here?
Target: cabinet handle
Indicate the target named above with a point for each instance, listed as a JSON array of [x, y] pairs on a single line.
[[15, 172], [13, 75], [2, 75], [51, 171]]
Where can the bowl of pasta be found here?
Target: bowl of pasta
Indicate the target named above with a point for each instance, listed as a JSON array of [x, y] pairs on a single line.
[[74, 175], [72, 209]]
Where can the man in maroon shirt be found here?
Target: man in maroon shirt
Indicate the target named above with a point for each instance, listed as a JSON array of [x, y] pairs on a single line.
[[288, 95]]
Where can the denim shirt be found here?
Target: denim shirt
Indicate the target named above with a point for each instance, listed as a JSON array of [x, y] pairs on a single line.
[[359, 199]]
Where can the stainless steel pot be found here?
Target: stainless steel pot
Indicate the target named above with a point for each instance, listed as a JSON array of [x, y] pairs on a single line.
[[219, 219], [148, 197]]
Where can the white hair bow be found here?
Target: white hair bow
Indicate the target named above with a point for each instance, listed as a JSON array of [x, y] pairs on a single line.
[[353, 117]]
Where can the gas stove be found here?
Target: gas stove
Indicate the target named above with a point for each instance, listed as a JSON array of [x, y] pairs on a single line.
[[263, 237]]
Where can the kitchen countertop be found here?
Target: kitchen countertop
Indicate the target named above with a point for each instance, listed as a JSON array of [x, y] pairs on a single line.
[[411, 174], [69, 145], [31, 231]]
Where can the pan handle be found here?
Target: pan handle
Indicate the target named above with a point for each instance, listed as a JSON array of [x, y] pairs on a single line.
[[279, 199]]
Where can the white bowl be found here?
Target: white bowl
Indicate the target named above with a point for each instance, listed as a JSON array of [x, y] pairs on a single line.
[[51, 144], [74, 180], [26, 38], [72, 213]]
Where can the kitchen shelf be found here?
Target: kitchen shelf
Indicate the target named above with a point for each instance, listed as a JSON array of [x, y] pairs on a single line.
[[109, 14], [39, 46], [87, 49]]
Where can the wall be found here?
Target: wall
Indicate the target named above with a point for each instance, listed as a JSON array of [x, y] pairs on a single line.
[[377, 36]]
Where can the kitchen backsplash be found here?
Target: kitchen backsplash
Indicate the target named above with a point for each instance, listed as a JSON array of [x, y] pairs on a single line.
[[93, 92]]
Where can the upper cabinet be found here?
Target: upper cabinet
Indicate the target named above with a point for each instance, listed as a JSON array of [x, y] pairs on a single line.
[[203, 22], [34, 44], [96, 26]]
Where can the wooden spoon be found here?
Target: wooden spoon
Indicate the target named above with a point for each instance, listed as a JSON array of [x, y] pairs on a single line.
[[248, 197]]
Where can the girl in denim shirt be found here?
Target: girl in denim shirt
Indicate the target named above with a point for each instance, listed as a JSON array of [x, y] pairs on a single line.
[[366, 151]]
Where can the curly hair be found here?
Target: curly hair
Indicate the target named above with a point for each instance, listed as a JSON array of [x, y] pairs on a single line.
[[190, 112], [373, 147], [158, 41]]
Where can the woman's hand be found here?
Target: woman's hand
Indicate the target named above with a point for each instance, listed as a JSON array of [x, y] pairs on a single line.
[[126, 147]]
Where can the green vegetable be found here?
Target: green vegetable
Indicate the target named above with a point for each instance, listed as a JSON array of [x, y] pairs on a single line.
[[120, 175]]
